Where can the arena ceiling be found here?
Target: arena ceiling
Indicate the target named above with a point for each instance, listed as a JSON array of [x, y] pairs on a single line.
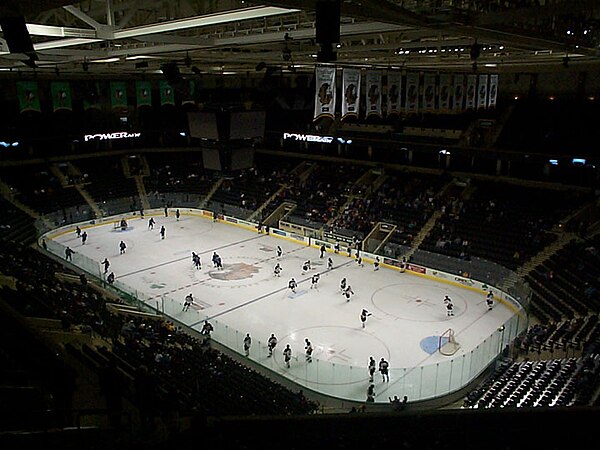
[[113, 37]]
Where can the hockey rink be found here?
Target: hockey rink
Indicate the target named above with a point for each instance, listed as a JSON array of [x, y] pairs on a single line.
[[408, 312]]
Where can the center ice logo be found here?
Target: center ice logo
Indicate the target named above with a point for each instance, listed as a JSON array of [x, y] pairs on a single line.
[[234, 272]]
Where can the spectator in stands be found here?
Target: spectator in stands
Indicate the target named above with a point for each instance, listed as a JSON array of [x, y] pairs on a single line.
[[395, 402]]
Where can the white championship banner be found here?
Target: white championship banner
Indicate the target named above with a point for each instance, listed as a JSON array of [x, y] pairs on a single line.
[[458, 92], [412, 92], [325, 91], [351, 90], [471, 90], [493, 91], [482, 92], [394, 85], [373, 93], [429, 92], [444, 95]]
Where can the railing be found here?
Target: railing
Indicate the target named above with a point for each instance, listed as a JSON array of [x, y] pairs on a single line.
[[419, 383]]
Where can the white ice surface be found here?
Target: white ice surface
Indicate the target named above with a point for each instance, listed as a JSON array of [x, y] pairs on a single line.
[[246, 297]]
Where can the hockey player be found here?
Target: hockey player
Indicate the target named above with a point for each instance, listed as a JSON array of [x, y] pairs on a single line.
[[287, 355], [78, 231], [69, 254], [336, 247], [187, 302], [449, 306], [309, 350], [279, 251], [371, 393], [110, 279], [306, 266], [207, 328], [271, 344], [196, 261], [177, 215], [247, 344], [384, 369], [277, 270], [292, 285], [314, 281], [348, 292], [215, 257], [106, 264], [343, 285], [490, 300], [219, 263], [323, 250], [83, 238], [166, 212], [151, 223], [372, 368], [122, 247], [376, 264], [363, 316], [162, 232], [329, 263], [359, 261]]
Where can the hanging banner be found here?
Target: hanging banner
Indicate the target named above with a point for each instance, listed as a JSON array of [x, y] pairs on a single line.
[[444, 95], [351, 89], [143, 93], [167, 95], [118, 95], [493, 91], [373, 88], [61, 96], [471, 89], [29, 100], [482, 92], [91, 96], [325, 91], [189, 96], [412, 92], [429, 92], [394, 82], [458, 93]]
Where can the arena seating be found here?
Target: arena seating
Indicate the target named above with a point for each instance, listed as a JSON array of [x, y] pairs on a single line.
[[555, 382], [15, 225], [178, 172], [252, 187], [36, 187], [107, 180], [324, 191], [502, 223]]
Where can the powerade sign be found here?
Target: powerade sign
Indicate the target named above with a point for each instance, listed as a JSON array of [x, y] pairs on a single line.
[[314, 138], [110, 136], [307, 138]]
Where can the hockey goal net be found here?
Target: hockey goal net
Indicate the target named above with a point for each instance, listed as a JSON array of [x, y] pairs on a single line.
[[447, 344]]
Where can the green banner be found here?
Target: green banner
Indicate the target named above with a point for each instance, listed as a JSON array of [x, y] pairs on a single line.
[[143, 93], [29, 100], [91, 96], [61, 95], [190, 94], [118, 95], [167, 95]]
